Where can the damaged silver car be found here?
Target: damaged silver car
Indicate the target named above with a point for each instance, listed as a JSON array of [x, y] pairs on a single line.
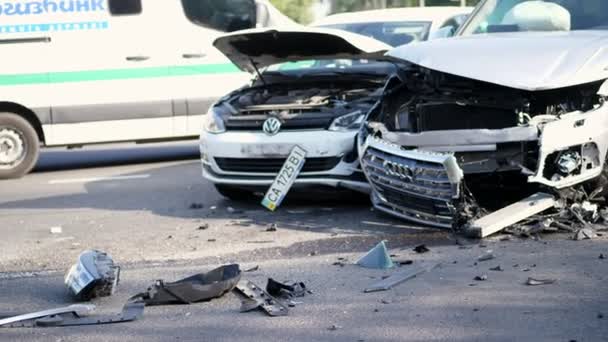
[[514, 107]]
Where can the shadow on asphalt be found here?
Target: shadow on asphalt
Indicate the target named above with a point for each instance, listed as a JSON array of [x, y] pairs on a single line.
[[171, 190]]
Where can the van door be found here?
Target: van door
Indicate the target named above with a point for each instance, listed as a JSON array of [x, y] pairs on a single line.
[[107, 82], [200, 72]]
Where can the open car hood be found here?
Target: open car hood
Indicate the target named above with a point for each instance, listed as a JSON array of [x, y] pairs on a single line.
[[522, 60], [264, 47]]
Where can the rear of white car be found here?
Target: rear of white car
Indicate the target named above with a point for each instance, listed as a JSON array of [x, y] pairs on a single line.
[[249, 133]]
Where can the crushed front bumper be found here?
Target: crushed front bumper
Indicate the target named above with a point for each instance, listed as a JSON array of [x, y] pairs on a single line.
[[254, 159]]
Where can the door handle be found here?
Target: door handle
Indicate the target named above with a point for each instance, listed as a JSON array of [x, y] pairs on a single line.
[[194, 55], [137, 58]]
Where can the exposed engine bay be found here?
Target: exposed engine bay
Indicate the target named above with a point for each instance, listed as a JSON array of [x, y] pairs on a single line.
[[440, 147], [305, 104]]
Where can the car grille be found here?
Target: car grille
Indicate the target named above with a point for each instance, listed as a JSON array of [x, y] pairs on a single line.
[[253, 121], [273, 165], [412, 189]]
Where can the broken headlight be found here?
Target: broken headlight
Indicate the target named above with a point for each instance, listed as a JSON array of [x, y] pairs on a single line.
[[213, 122], [94, 275], [348, 122]]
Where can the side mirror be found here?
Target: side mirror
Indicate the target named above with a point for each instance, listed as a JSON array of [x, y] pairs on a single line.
[[444, 32]]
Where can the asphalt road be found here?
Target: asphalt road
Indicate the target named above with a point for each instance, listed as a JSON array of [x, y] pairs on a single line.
[[134, 202]]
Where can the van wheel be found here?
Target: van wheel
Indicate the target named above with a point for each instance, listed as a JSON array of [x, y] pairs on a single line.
[[234, 193], [19, 146]]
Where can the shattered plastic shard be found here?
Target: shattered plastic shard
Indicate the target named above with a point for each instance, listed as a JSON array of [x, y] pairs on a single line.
[[537, 282], [377, 257]]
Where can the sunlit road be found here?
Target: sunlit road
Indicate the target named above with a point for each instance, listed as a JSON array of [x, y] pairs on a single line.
[[135, 203]]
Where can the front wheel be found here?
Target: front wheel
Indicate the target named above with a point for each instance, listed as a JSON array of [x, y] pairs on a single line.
[[19, 146]]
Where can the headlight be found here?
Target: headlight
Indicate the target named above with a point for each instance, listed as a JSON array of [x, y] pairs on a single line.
[[348, 122], [213, 123]]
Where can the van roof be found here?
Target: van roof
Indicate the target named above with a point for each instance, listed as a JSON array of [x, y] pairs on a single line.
[[433, 14]]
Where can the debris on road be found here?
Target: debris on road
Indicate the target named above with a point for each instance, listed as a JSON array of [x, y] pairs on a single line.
[[405, 262], [93, 275], [421, 249], [285, 291], [334, 327], [56, 230], [272, 228], [197, 288], [196, 206], [488, 255], [482, 277], [211, 240], [584, 234], [602, 256], [203, 226], [255, 297], [377, 257], [397, 278], [537, 282], [497, 269], [253, 269]]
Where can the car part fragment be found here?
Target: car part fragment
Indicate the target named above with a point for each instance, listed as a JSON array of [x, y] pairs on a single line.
[[377, 257], [94, 275], [512, 214], [194, 289], [256, 297], [75, 315], [280, 290], [397, 278]]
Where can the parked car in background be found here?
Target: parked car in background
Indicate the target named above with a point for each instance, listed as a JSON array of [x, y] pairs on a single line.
[[399, 26], [100, 71], [312, 89], [517, 102]]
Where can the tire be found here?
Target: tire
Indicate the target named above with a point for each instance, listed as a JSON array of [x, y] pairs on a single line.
[[234, 193], [19, 146]]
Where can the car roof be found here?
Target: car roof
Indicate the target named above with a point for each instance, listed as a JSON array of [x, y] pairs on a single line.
[[436, 14]]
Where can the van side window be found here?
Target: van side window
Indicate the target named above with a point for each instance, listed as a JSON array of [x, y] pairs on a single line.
[[125, 7], [221, 15]]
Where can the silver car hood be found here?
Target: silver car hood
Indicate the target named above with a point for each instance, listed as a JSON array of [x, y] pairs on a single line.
[[521, 60], [265, 47]]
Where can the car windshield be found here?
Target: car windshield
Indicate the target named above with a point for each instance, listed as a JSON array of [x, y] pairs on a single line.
[[534, 15], [391, 33]]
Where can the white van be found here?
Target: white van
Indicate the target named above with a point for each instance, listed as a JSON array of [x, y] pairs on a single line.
[[77, 72]]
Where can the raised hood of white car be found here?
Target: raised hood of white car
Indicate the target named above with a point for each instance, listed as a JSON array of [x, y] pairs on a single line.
[[264, 47], [522, 60]]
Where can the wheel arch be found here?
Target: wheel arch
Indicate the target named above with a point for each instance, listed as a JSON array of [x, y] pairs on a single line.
[[27, 114]]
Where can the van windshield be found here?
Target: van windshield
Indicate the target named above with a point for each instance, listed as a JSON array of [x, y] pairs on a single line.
[[221, 15], [534, 15]]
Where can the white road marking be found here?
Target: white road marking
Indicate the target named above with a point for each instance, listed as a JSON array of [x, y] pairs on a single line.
[[96, 179]]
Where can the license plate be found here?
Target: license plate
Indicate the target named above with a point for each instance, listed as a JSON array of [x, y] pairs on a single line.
[[285, 179]]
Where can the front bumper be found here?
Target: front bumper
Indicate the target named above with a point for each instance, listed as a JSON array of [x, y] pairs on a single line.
[[254, 159]]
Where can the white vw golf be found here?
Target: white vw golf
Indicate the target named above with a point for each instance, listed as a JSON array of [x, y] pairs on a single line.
[[312, 88]]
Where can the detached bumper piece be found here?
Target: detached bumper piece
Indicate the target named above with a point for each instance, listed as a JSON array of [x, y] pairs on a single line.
[[417, 186]]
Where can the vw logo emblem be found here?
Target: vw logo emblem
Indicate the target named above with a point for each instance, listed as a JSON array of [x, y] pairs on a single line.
[[272, 126], [399, 170]]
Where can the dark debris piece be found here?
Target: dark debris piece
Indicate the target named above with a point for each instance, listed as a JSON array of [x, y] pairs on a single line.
[[421, 249], [196, 206], [203, 226], [482, 277], [272, 228], [280, 290], [253, 269], [497, 269], [405, 262]]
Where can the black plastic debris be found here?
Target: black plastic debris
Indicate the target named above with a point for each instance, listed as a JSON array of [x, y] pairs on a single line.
[[255, 297], [602, 256], [94, 275], [538, 282], [421, 249], [497, 269], [203, 226], [277, 289], [482, 277], [253, 269], [197, 288], [196, 206], [272, 228]]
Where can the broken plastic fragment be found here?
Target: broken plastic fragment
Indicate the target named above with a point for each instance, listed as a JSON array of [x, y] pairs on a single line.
[[421, 249], [377, 257], [537, 282]]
